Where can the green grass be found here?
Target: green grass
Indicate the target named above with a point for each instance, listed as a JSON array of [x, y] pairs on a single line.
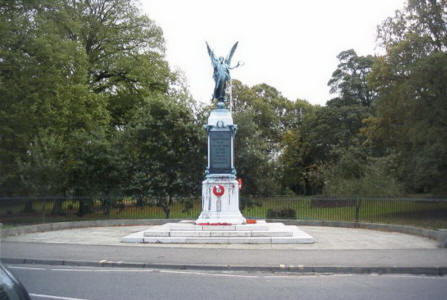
[[405, 212], [428, 214]]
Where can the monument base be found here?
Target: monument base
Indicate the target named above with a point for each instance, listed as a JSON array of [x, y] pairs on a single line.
[[220, 209], [187, 232]]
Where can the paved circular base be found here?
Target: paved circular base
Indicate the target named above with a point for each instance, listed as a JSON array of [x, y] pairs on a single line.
[[325, 238]]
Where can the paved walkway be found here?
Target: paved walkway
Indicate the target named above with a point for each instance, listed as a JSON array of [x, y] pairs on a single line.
[[326, 238], [336, 250]]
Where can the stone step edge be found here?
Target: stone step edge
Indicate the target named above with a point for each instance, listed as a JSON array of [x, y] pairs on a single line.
[[188, 227], [245, 233], [229, 240]]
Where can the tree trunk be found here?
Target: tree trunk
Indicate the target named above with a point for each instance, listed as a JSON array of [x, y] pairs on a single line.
[[167, 207], [28, 206]]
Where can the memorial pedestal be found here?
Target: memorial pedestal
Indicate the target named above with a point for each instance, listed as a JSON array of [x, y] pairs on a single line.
[[220, 190], [222, 209]]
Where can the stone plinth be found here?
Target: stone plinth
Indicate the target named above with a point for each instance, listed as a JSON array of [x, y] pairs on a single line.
[[191, 233], [220, 209], [220, 190]]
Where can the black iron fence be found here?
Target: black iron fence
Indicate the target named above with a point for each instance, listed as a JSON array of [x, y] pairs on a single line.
[[429, 213]]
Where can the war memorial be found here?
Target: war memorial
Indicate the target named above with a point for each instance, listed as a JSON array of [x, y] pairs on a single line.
[[221, 221]]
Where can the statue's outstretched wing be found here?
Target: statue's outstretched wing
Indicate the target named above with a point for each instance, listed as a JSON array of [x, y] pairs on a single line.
[[211, 54], [230, 56]]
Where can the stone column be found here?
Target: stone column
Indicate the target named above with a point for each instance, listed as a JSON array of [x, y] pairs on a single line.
[[220, 192]]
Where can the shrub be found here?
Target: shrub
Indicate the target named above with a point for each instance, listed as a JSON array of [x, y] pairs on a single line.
[[284, 213], [248, 201], [355, 176]]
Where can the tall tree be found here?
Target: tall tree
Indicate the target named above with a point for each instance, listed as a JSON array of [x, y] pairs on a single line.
[[323, 133], [271, 111], [42, 82], [70, 69], [263, 116], [125, 52], [349, 80], [165, 152], [410, 82]]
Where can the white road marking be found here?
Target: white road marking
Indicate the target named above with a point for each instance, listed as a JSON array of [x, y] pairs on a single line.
[[54, 297], [307, 275], [155, 271], [102, 270], [413, 276], [26, 268], [208, 274]]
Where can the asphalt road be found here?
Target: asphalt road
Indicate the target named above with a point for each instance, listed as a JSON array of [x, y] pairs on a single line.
[[233, 257], [75, 283]]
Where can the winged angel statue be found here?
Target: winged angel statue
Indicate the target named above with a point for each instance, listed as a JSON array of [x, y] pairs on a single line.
[[221, 73]]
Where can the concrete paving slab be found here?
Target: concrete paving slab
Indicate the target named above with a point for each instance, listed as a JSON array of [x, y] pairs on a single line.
[[408, 261], [337, 250], [325, 237], [301, 239], [134, 238]]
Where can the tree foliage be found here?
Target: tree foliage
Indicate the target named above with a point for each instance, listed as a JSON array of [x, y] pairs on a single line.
[[166, 152], [410, 81], [90, 106], [263, 116], [76, 78], [349, 80], [356, 174]]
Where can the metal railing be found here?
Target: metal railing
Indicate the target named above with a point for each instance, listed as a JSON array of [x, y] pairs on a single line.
[[424, 212]]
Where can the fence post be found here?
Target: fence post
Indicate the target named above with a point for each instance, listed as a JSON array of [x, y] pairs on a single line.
[[44, 210], [358, 202]]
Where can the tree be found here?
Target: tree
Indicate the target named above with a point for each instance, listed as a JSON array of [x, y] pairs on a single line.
[[271, 112], [125, 52], [263, 115], [349, 80], [42, 169], [165, 147], [323, 131], [42, 83], [419, 20], [356, 174], [410, 82], [252, 157], [74, 69]]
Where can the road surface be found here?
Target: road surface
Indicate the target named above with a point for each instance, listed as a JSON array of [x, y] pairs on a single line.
[[80, 283]]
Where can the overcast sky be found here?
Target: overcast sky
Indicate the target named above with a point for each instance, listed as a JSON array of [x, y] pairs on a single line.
[[290, 45]]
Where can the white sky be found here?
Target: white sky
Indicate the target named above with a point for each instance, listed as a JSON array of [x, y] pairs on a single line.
[[290, 45]]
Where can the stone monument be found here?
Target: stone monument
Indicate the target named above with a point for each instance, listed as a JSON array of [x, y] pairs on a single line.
[[220, 191], [221, 221]]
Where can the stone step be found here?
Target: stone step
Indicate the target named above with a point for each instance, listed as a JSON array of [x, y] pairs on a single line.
[[193, 227], [230, 240], [245, 233], [188, 233]]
